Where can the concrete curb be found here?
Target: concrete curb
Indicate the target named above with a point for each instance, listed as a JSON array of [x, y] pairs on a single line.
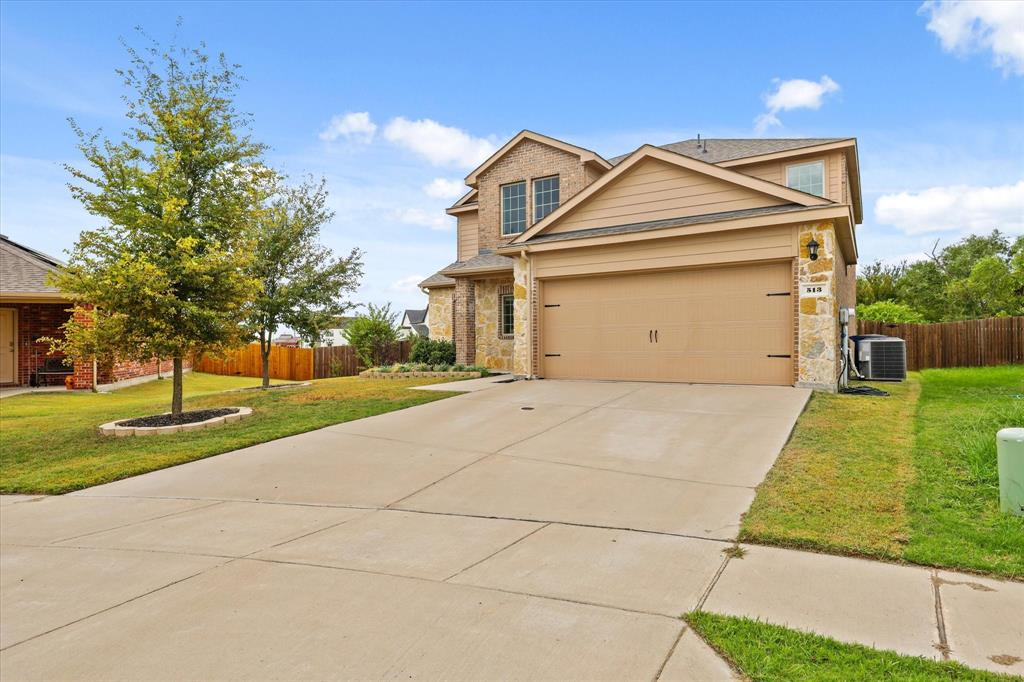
[[112, 429]]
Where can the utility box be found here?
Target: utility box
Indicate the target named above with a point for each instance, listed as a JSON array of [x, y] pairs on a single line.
[[1010, 455]]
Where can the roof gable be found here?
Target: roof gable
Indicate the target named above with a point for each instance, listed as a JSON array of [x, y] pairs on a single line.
[[24, 270], [586, 156], [654, 184]]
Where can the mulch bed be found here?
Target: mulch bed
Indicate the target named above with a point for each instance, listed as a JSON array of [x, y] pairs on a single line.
[[178, 419]]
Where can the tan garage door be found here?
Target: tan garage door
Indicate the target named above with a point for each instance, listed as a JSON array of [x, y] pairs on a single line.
[[729, 325]]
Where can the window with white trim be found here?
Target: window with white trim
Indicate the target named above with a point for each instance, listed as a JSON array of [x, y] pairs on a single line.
[[545, 197], [513, 208], [807, 177], [508, 315]]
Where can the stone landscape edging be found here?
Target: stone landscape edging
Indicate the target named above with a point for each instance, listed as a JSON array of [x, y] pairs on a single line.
[[112, 428], [370, 374]]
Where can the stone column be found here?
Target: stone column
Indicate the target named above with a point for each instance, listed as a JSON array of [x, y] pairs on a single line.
[[818, 359], [465, 321], [522, 356]]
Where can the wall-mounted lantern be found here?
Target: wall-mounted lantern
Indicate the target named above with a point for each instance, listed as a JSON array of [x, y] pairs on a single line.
[[812, 249]]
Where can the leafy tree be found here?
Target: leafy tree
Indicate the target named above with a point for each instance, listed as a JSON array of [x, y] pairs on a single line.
[[879, 282], [373, 334], [888, 311], [979, 276], [303, 284], [166, 275]]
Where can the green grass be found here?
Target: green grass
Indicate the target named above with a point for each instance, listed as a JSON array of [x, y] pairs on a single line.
[[762, 651], [49, 443], [911, 477]]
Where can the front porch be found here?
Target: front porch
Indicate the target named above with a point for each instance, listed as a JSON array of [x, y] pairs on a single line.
[[26, 360]]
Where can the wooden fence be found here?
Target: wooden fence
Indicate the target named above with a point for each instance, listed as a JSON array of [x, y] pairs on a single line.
[[341, 361], [970, 343], [295, 364]]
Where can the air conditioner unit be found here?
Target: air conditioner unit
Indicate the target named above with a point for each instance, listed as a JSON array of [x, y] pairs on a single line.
[[881, 358]]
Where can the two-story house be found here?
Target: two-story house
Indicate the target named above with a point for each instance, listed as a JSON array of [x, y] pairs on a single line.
[[709, 260]]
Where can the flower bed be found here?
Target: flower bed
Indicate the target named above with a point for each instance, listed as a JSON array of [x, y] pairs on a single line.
[[418, 369], [165, 424]]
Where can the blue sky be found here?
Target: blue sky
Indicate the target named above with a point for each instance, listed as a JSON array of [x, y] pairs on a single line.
[[933, 93]]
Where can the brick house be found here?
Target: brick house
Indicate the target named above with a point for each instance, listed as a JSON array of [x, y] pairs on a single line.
[[31, 309], [716, 260]]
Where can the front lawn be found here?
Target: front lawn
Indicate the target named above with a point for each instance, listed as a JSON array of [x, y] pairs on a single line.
[[909, 477], [49, 443], [762, 651]]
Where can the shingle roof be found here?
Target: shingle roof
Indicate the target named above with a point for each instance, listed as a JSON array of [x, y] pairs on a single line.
[[422, 329], [24, 270], [668, 222], [437, 280], [727, 149], [485, 260], [416, 316]]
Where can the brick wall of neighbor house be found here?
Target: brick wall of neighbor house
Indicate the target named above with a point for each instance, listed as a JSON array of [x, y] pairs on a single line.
[[439, 319], [528, 160], [464, 321], [818, 362], [493, 350], [33, 321]]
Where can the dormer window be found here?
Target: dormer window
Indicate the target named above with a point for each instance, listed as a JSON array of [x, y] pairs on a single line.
[[513, 208], [807, 177], [545, 197]]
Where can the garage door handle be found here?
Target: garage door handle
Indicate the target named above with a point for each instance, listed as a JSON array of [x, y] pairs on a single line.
[[780, 293], [779, 356], [650, 336], [655, 336]]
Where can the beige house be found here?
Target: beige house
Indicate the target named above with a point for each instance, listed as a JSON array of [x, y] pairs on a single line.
[[717, 260]]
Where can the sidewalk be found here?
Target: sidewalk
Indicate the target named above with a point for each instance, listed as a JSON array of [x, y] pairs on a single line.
[[912, 610]]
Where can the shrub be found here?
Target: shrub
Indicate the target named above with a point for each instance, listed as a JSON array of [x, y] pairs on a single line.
[[432, 352], [889, 311], [372, 335]]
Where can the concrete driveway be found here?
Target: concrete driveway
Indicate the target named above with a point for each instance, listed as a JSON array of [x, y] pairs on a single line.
[[535, 530]]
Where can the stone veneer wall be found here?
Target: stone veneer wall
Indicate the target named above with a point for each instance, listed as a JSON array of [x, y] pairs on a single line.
[[522, 355], [527, 161], [439, 317], [493, 350], [818, 345]]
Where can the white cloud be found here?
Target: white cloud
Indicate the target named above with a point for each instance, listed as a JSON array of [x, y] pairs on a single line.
[[967, 27], [793, 94], [442, 188], [406, 284], [955, 208], [439, 144], [435, 220], [356, 125]]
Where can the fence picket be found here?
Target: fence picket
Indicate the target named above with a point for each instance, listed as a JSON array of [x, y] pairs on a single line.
[[967, 343]]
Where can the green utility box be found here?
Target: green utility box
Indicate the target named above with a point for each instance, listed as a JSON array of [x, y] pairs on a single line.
[[1010, 453]]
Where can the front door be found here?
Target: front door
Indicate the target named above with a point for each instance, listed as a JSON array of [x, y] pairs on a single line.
[[8, 346]]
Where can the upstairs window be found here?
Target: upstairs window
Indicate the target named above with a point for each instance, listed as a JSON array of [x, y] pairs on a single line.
[[545, 197], [807, 177], [513, 208], [508, 315]]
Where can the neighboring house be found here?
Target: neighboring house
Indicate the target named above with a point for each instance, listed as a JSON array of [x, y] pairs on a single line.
[[687, 262], [414, 323], [287, 341], [31, 309], [335, 334]]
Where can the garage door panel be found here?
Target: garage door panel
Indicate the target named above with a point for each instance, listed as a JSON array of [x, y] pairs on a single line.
[[714, 325]]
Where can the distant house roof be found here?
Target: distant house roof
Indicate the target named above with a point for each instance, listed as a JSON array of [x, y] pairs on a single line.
[[416, 316], [421, 330], [728, 149], [23, 270]]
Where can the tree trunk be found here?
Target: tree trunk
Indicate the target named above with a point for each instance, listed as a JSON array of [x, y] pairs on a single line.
[[265, 355], [176, 389]]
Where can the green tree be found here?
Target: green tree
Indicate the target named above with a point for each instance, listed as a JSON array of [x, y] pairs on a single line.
[[373, 334], [888, 311], [879, 282], [302, 284], [166, 275]]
